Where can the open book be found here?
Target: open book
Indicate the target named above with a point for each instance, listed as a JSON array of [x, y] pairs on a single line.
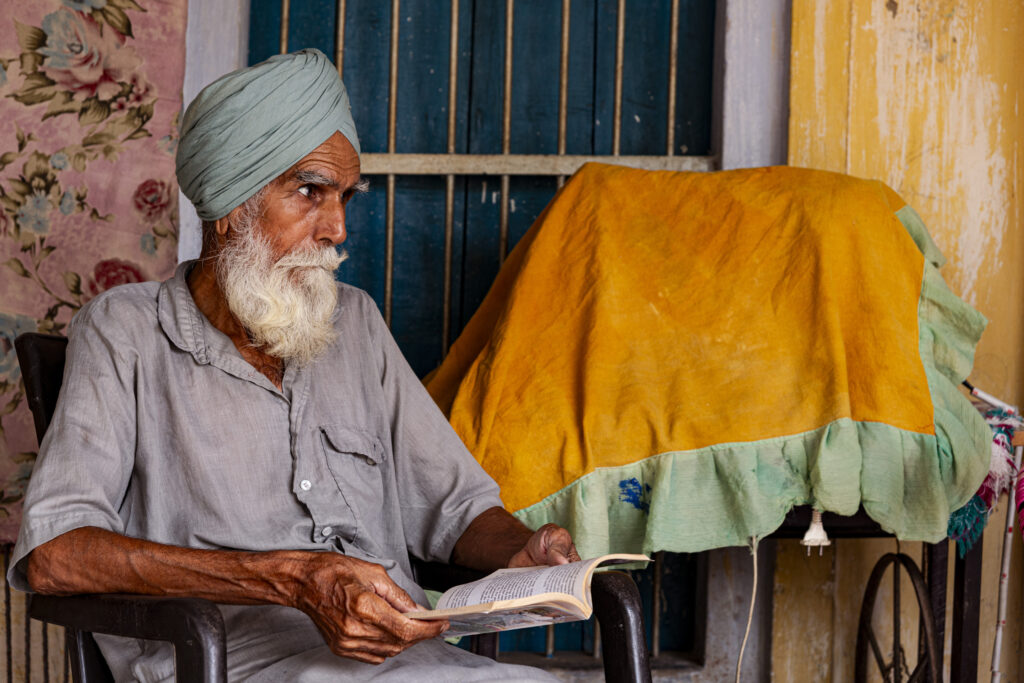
[[521, 598]]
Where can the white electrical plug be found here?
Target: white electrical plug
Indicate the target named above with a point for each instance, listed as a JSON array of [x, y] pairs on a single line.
[[815, 535]]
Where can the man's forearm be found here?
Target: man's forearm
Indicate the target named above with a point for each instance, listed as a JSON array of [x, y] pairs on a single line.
[[93, 560], [496, 539], [490, 540], [354, 603]]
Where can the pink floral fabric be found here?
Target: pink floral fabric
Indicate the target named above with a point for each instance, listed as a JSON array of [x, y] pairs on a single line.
[[90, 95]]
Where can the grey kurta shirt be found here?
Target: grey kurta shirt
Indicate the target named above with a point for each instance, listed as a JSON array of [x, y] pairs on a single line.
[[164, 432]]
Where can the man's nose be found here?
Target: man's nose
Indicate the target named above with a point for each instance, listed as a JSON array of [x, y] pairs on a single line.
[[331, 226]]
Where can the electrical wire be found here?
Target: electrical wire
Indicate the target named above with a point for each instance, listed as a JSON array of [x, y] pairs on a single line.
[[750, 614]]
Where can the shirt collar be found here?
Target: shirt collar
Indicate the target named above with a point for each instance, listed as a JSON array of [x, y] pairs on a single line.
[[188, 329], [180, 318]]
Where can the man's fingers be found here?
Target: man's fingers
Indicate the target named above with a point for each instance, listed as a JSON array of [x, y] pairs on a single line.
[[395, 596], [550, 545], [358, 609], [380, 636], [557, 546], [391, 592], [374, 610], [363, 651], [568, 551], [556, 555], [372, 648], [522, 559], [559, 555], [560, 548], [412, 630]]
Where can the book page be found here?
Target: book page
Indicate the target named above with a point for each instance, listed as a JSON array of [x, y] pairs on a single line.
[[508, 619], [521, 598], [513, 584]]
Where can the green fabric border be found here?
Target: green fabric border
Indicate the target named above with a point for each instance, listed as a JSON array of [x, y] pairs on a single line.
[[911, 220], [688, 501], [724, 494], [948, 332]]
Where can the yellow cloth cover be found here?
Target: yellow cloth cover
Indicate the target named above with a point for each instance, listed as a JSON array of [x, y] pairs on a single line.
[[670, 361]]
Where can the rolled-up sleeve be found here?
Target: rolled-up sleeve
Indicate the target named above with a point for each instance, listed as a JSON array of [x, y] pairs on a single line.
[[441, 486], [85, 461]]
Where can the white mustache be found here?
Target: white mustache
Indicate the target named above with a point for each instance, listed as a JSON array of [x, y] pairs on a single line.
[[327, 258]]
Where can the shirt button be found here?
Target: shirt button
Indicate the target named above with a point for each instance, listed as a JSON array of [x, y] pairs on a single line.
[[305, 485], [326, 531]]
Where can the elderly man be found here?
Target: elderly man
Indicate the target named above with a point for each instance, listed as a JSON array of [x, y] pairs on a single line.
[[248, 431]]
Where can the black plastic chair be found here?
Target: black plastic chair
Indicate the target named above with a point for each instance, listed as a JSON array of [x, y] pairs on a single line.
[[196, 627]]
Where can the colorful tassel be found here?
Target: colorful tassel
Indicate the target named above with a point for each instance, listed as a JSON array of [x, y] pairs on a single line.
[[968, 523], [1019, 500]]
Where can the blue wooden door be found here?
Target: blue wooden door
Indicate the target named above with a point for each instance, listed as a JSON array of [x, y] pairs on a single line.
[[421, 127]]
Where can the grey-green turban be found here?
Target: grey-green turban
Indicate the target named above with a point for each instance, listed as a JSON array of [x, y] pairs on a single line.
[[251, 125]]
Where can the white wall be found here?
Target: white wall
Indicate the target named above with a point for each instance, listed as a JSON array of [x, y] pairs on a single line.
[[751, 87], [216, 42], [750, 122]]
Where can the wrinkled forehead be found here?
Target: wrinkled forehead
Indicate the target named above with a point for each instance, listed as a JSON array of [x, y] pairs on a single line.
[[334, 161], [251, 126]]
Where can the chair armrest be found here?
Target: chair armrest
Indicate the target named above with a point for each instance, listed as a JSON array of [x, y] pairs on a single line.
[[440, 577], [195, 627], [619, 612]]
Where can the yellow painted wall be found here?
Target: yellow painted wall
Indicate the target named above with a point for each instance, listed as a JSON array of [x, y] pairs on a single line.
[[926, 96]]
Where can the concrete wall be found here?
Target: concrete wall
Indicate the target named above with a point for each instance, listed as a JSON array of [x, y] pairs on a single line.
[[216, 42], [925, 96], [749, 128], [751, 85]]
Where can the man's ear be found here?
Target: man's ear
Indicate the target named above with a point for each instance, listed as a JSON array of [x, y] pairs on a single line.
[[222, 225]]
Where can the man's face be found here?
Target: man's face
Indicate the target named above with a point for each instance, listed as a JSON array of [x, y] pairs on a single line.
[[276, 267], [304, 207]]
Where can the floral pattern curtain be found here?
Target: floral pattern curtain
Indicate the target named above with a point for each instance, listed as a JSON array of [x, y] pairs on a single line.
[[90, 95]]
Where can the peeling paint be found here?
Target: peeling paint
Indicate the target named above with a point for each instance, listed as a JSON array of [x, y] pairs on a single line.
[[907, 93], [820, 85], [935, 102]]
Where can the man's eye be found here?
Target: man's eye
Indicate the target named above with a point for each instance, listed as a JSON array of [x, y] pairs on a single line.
[[307, 190]]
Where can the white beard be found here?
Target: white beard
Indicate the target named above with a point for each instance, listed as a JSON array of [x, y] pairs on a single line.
[[286, 306]]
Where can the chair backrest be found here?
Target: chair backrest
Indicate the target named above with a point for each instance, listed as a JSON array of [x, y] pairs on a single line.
[[41, 357]]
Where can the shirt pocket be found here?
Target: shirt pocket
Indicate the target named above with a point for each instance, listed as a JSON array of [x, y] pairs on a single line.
[[357, 462]]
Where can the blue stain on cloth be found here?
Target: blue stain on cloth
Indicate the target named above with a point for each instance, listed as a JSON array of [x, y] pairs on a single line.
[[636, 494]]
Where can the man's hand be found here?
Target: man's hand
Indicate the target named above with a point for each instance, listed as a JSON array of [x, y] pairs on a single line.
[[358, 609], [550, 544]]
